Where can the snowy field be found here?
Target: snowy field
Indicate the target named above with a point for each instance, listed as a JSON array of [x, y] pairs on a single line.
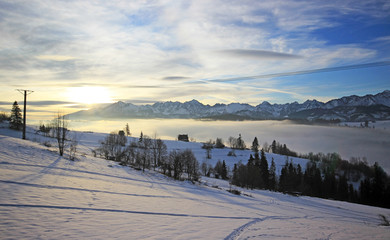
[[44, 196]]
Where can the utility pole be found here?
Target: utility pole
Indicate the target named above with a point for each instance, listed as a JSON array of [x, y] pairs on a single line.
[[25, 92]]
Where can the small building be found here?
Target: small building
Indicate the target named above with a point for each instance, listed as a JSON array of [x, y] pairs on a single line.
[[183, 137]]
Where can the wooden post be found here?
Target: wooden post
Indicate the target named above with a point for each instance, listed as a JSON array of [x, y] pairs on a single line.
[[24, 115], [25, 92]]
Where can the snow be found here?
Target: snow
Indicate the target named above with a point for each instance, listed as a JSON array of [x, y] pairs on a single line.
[[45, 196]]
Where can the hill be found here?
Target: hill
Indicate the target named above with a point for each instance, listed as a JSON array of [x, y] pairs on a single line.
[[45, 196]]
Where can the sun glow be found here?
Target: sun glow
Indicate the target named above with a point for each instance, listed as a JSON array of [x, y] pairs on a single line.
[[89, 95]]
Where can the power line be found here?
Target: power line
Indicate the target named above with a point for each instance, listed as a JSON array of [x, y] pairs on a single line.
[[25, 92]]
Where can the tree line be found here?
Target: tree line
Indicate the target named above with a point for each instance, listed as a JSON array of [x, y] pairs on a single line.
[[148, 153], [325, 176]]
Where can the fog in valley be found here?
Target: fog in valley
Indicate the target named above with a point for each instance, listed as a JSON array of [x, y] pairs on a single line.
[[372, 143]]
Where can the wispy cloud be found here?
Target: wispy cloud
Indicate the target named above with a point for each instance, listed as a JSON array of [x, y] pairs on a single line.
[[258, 54], [175, 78], [55, 57], [48, 103], [6, 103], [382, 39]]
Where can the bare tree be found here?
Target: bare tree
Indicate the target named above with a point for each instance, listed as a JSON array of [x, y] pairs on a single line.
[[206, 168], [233, 145], [131, 153], [113, 147], [159, 152], [60, 131], [208, 146], [232, 142], [182, 162], [145, 145], [190, 164]]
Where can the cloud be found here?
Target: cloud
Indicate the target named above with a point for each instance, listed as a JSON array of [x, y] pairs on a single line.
[[259, 54], [49, 103], [55, 57], [382, 39], [6, 103], [175, 78], [141, 86]]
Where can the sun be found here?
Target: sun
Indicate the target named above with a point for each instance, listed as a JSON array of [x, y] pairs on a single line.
[[89, 95]]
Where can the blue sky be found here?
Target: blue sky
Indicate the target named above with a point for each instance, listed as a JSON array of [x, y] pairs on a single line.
[[86, 52]]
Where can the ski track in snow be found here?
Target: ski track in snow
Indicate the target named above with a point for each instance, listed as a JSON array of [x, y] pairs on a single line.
[[236, 233]]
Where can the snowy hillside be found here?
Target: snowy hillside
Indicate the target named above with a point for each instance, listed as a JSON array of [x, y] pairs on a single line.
[[44, 196], [352, 108]]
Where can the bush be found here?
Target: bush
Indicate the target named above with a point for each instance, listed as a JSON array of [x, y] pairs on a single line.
[[234, 191], [4, 117], [219, 143], [384, 220], [231, 153]]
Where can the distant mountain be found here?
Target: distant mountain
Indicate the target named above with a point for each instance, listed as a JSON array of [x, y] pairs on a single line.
[[351, 108]]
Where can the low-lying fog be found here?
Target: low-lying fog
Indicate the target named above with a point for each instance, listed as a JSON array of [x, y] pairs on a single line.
[[374, 144]]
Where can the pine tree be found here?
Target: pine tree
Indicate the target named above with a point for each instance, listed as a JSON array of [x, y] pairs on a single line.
[[218, 169], [273, 146], [240, 142], [284, 150], [317, 183], [365, 191], [272, 176], [255, 145], [141, 137], [264, 170], [16, 117], [299, 176], [342, 188], [252, 173], [127, 130], [235, 175], [378, 185], [283, 178], [224, 171]]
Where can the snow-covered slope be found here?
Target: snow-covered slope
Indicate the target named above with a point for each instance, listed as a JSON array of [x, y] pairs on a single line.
[[369, 107], [44, 196]]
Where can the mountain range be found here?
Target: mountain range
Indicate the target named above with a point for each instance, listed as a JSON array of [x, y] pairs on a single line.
[[350, 108]]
